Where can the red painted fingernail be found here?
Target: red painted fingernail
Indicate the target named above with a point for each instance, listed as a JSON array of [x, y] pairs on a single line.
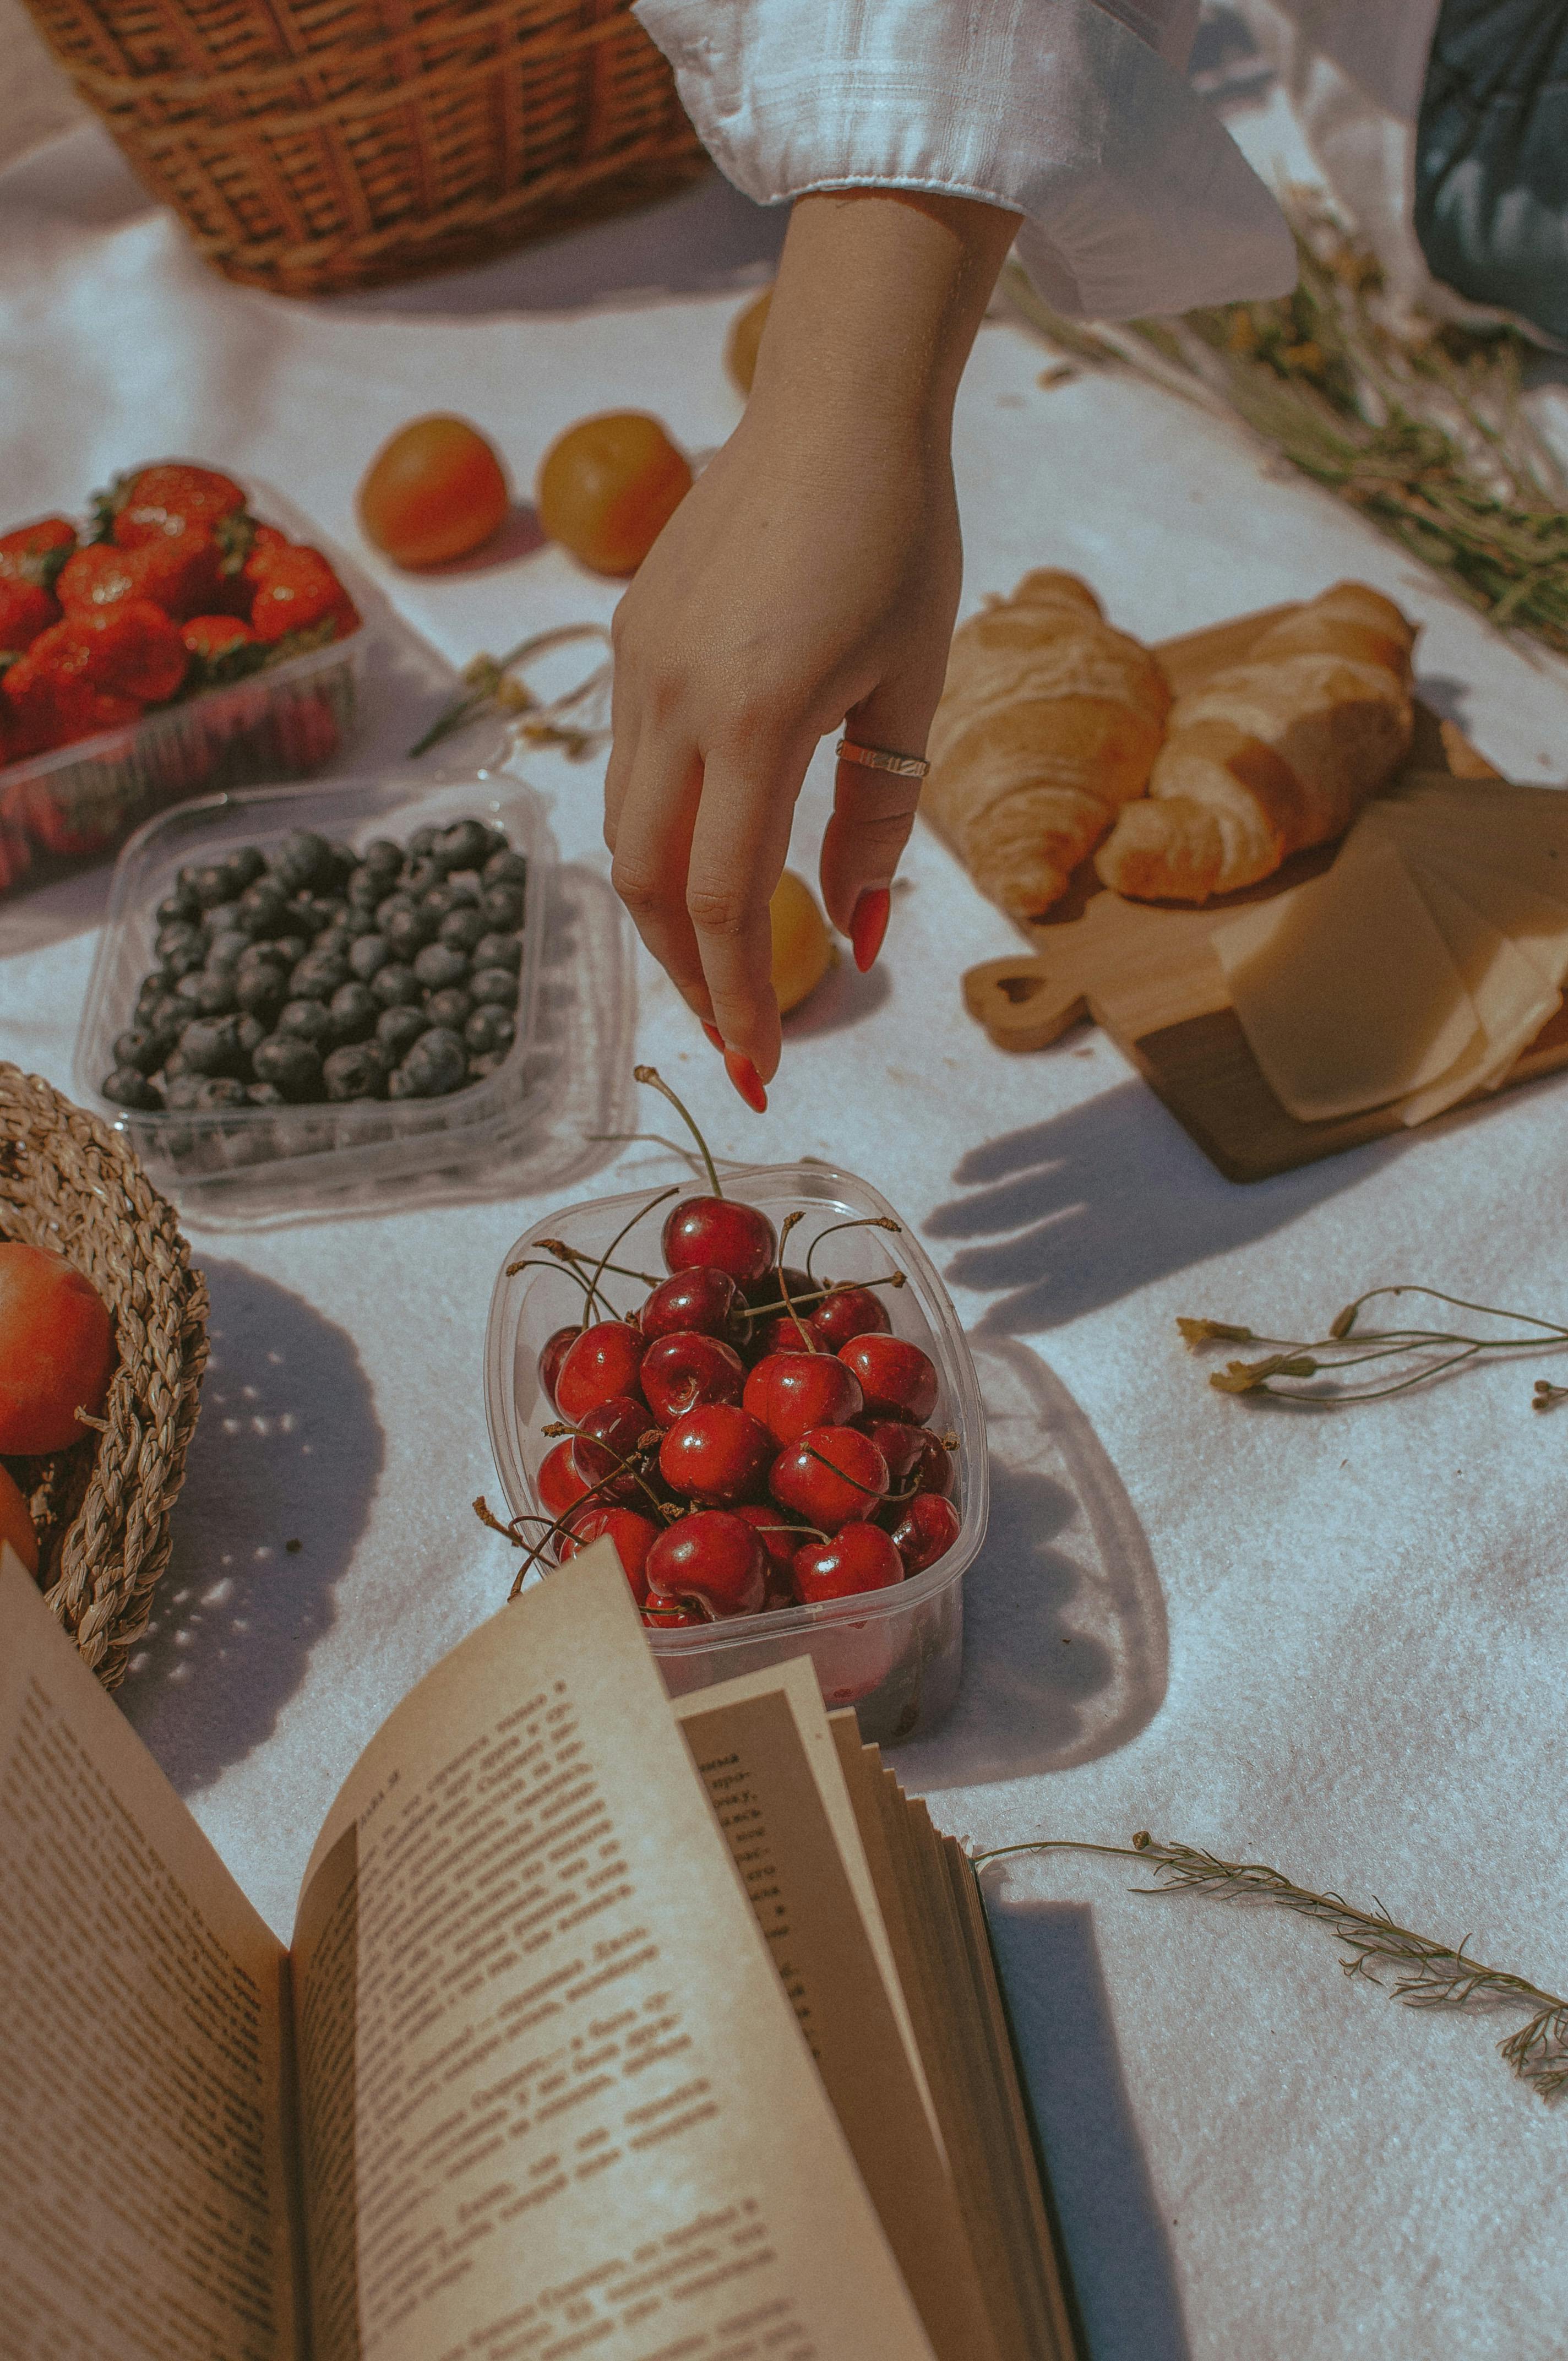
[[869, 924], [714, 1034], [747, 1080]]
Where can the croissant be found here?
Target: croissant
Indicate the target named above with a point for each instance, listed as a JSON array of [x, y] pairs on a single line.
[[1272, 754], [1049, 722]]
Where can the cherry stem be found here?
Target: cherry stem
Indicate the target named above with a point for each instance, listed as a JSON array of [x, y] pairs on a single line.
[[563, 1252], [825, 1288], [531, 1262], [844, 1475], [565, 1261], [813, 1344], [626, 1226], [861, 1222], [655, 1080]]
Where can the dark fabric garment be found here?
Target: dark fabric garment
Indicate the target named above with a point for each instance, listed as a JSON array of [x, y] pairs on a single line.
[[1491, 156]]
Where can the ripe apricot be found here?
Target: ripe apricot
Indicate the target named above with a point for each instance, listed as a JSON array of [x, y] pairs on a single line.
[[608, 488], [434, 492], [57, 1350], [803, 948]]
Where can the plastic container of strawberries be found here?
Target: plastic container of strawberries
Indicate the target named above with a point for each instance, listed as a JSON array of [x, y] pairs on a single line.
[[286, 722], [255, 1163], [895, 1655]]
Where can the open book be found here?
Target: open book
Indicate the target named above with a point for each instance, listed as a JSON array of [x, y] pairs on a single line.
[[609, 2029]]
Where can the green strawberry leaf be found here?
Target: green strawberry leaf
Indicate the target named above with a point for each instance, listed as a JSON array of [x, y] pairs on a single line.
[[106, 506]]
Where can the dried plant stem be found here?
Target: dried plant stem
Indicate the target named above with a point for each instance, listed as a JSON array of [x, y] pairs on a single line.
[[1348, 1346], [1428, 1973]]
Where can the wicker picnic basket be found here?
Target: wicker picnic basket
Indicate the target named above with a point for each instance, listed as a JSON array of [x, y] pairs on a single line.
[[313, 145], [102, 1508]]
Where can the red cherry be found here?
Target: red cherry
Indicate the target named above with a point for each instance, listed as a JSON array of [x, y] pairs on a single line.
[[769, 1292], [832, 1476], [558, 1484], [702, 1300], [662, 1614], [926, 1532], [897, 1378], [848, 1311], [602, 1361], [717, 1455], [783, 1334], [683, 1371], [792, 1391], [712, 1560], [608, 1437], [552, 1352], [721, 1234], [633, 1537], [860, 1558], [917, 1460]]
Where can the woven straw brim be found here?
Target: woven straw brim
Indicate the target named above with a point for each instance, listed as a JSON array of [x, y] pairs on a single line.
[[316, 146], [70, 1184]]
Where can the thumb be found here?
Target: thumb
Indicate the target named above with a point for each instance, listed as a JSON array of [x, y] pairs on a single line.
[[873, 811]]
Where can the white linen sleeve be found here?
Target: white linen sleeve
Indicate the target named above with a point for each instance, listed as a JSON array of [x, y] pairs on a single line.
[[1134, 199]]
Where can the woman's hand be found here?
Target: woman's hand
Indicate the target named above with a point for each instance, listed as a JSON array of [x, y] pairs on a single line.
[[810, 577]]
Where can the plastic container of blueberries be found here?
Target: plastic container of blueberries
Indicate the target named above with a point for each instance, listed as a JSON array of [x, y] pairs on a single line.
[[283, 1160], [287, 722], [895, 1656]]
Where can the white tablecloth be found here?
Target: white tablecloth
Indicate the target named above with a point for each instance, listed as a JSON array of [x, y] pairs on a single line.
[[1333, 1643]]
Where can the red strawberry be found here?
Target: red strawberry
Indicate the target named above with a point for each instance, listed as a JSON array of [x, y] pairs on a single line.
[[214, 636], [25, 610], [52, 707], [298, 590], [169, 499], [181, 574], [131, 649], [33, 553]]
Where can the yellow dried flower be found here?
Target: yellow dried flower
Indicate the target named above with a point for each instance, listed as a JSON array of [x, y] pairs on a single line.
[[1213, 1332]]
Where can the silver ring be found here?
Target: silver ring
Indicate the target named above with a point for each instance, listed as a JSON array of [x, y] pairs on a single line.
[[875, 758]]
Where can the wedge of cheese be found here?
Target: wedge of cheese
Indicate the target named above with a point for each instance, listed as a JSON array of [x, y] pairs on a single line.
[[1509, 995], [1348, 993]]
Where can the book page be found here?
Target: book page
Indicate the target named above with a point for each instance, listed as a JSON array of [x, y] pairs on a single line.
[[764, 1747], [585, 2118], [145, 2199]]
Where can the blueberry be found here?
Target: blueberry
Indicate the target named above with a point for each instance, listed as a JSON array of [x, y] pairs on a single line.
[[262, 908], [485, 1062], [451, 894], [182, 935], [438, 965], [180, 1093], [502, 907], [494, 987], [226, 950], [303, 860], [293, 948], [175, 965], [291, 1065], [462, 929], [365, 889], [220, 1091], [398, 901], [266, 1094], [304, 1020], [334, 940], [181, 904], [437, 1063], [304, 916], [408, 931], [382, 859], [420, 875], [367, 955], [317, 976], [398, 1029], [506, 868], [250, 1032], [490, 1028], [397, 986], [360, 922], [175, 1064], [422, 843], [261, 991], [210, 995], [214, 882], [467, 844], [354, 1009], [359, 1072], [244, 866], [140, 1051], [497, 950], [211, 1046], [127, 1088], [452, 1007]]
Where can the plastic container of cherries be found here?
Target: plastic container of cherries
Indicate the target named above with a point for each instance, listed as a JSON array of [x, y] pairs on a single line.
[[757, 1388]]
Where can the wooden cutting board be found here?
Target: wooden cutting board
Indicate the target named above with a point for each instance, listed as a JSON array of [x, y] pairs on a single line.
[[1145, 973]]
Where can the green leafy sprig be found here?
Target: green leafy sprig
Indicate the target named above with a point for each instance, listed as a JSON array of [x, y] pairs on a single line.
[[1417, 423], [1427, 1973], [1317, 1366]]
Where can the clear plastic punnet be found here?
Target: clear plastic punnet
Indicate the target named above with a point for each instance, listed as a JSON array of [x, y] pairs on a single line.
[[895, 1655], [286, 1159]]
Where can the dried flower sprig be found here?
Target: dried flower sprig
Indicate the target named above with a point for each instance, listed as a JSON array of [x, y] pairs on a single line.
[[1349, 1346], [1427, 1973], [491, 687], [1418, 424]]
